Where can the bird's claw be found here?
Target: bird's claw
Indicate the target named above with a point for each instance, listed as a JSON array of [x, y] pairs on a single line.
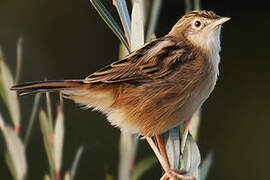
[[174, 174]]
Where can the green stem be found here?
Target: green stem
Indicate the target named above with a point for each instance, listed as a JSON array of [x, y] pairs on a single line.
[[49, 111], [19, 59], [32, 118], [153, 19], [188, 5], [197, 5]]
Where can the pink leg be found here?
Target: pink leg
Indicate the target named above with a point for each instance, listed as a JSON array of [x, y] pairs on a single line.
[[170, 174]]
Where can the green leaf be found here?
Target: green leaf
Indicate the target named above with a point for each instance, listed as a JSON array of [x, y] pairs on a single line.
[[47, 135], [49, 111], [197, 5], [143, 166], [155, 11], [191, 157], [194, 124], [46, 177], [206, 165], [15, 157], [122, 51], [188, 5], [32, 119], [76, 162], [108, 177], [108, 19], [19, 59], [10, 165], [10, 97], [67, 176], [128, 146], [58, 139], [122, 9], [172, 143], [137, 27]]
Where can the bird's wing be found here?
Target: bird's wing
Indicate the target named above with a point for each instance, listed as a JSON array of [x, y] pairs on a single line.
[[154, 60]]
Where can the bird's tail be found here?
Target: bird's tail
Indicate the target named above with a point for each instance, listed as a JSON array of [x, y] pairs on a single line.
[[49, 86]]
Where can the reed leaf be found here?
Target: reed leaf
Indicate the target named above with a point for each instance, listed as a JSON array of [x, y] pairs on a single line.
[[188, 6], [32, 119], [67, 176], [122, 9], [194, 124], [109, 20], [58, 139], [10, 97], [19, 59], [155, 11], [76, 161], [191, 156], [47, 136], [143, 166], [206, 165], [127, 149], [137, 27], [172, 143], [16, 157], [49, 111]]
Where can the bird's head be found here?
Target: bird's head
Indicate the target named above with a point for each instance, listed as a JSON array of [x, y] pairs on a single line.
[[201, 28]]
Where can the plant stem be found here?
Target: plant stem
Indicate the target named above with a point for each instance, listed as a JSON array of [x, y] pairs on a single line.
[[188, 5], [32, 118], [19, 59], [197, 5], [153, 19], [49, 111]]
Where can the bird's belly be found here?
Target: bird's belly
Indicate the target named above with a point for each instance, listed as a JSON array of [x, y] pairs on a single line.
[[158, 118]]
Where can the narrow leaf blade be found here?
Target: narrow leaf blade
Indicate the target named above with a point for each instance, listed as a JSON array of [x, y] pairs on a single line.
[[58, 139], [128, 146], [10, 97], [172, 143], [143, 166], [194, 124], [15, 150], [67, 176], [76, 162], [153, 18], [32, 119], [137, 27], [122, 9], [109, 20], [19, 59], [206, 165], [47, 132], [191, 157]]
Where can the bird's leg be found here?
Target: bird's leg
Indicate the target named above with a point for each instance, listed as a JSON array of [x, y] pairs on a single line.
[[161, 160], [170, 174], [161, 148]]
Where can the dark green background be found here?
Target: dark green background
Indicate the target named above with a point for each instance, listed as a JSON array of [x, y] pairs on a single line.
[[66, 39]]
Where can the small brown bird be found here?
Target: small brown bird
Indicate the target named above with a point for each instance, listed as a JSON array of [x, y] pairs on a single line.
[[155, 87]]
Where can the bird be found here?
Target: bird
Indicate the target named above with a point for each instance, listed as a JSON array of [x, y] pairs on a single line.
[[155, 87]]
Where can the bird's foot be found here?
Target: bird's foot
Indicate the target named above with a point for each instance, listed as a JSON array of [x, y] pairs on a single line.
[[175, 174], [170, 174]]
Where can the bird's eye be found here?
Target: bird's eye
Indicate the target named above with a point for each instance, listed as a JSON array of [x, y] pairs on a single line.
[[197, 24]]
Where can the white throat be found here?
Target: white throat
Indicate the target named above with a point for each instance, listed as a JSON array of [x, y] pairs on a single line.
[[209, 41]]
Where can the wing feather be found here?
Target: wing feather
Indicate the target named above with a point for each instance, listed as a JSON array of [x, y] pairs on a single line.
[[154, 60]]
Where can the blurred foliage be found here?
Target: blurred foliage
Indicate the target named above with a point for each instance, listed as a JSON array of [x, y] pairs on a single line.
[[67, 39], [132, 37], [53, 139]]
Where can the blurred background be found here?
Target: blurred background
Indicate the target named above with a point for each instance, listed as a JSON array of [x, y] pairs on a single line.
[[65, 39]]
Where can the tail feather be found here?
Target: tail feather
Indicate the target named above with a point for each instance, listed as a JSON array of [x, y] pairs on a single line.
[[47, 86]]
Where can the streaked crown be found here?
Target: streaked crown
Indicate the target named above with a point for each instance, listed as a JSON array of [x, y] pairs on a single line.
[[201, 28]]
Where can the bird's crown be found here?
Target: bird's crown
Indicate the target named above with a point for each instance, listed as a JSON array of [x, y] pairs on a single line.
[[202, 13]]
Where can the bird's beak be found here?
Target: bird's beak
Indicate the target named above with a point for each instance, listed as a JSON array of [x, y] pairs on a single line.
[[220, 21]]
